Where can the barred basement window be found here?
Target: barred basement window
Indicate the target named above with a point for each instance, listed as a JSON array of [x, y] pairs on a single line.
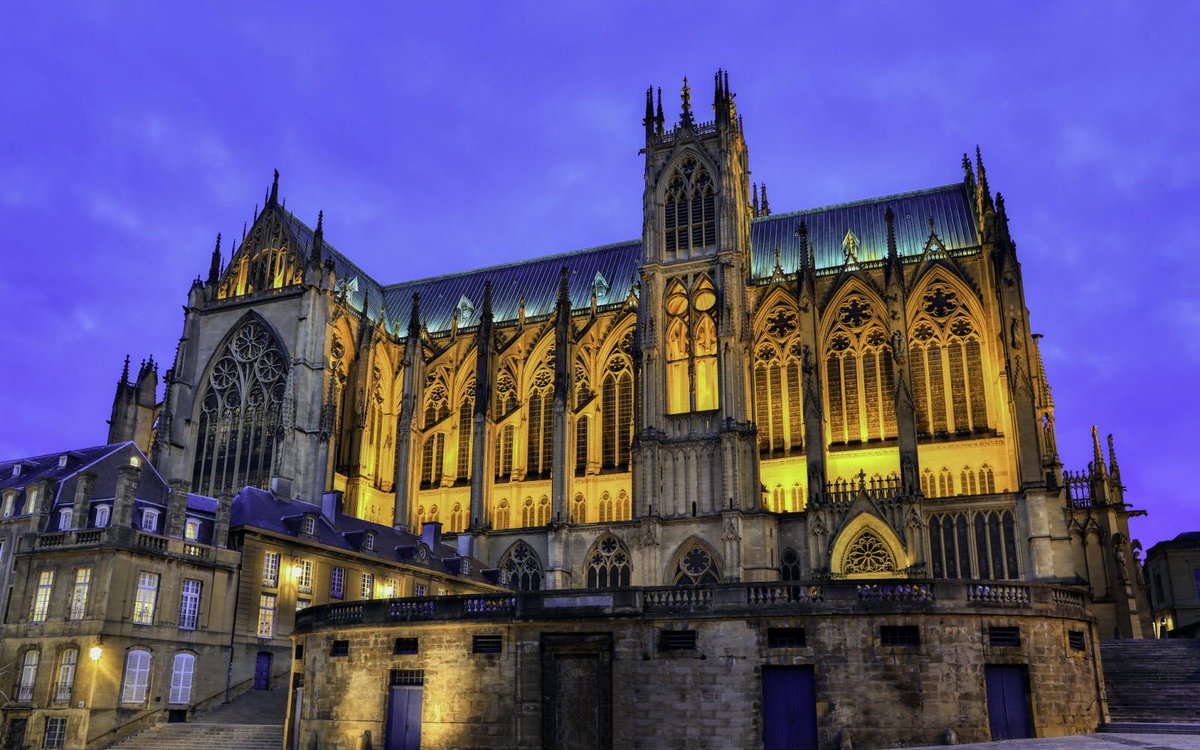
[[1004, 636], [403, 677], [404, 646], [1076, 640], [486, 644], [899, 635], [340, 648], [786, 638], [677, 640]]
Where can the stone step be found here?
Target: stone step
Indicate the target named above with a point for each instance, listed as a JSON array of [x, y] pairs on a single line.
[[190, 736], [1139, 727]]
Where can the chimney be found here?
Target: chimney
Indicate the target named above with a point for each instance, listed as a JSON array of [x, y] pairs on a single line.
[[466, 545], [37, 504], [221, 525], [176, 509], [281, 488], [331, 506], [85, 486], [431, 535], [127, 482]]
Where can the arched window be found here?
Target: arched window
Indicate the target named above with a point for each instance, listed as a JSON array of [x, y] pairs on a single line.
[[137, 677], [797, 497], [868, 554], [617, 409], [522, 567], [777, 503], [996, 545], [950, 546], [182, 669], [946, 358], [689, 210], [789, 568], [608, 564], [528, 516], [28, 675], [692, 382], [434, 516], [456, 518], [503, 515], [432, 456], [579, 510], [694, 566], [378, 433], [437, 399], [506, 393], [987, 480], [466, 426], [543, 513], [778, 410], [967, 481], [945, 483], [624, 507], [102, 513], [581, 445], [504, 453], [859, 374], [539, 456], [606, 508], [239, 420], [64, 683]]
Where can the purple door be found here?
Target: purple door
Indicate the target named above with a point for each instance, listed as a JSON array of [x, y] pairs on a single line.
[[403, 729], [1008, 701], [262, 671], [789, 709]]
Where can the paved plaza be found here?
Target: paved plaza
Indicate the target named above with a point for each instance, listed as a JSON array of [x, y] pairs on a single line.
[[1102, 741]]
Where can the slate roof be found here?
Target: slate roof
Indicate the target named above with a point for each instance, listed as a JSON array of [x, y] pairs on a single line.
[[952, 208], [37, 468], [261, 509]]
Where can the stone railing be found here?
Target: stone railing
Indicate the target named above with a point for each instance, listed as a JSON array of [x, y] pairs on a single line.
[[724, 600], [128, 538]]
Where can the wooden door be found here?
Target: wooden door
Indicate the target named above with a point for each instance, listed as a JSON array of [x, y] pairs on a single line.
[[1008, 701], [789, 708]]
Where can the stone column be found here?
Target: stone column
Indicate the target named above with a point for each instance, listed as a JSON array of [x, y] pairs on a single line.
[[85, 485]]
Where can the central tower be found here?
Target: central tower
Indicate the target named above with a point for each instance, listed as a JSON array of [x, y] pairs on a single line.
[[694, 452]]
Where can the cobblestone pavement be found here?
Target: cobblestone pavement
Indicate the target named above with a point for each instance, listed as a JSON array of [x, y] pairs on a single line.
[[1113, 741]]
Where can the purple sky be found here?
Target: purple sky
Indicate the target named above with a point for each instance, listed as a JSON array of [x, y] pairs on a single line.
[[130, 135]]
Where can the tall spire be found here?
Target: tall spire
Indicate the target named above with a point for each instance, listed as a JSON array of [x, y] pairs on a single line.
[[982, 192], [1001, 220], [1113, 468], [766, 207], [274, 196], [648, 120], [685, 116], [318, 237], [214, 267], [125, 371], [1097, 454], [968, 174], [659, 121], [754, 198]]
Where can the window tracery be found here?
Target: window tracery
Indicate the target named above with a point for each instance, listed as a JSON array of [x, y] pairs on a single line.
[[541, 424], [789, 568], [608, 564], [868, 554], [543, 513], [947, 366], [528, 513], [504, 453], [689, 209], [437, 399], [239, 421], [778, 367], [996, 545], [456, 519], [859, 374], [950, 545], [522, 567], [466, 429], [695, 566], [503, 515], [617, 411], [691, 347], [579, 510], [432, 455]]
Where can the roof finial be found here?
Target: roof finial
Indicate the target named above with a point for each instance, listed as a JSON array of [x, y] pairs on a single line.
[[717, 92], [754, 198], [766, 207], [685, 95], [932, 227], [968, 173], [1002, 220], [982, 192], [274, 197], [1113, 468], [802, 233], [778, 260], [1097, 455], [659, 120], [318, 237], [414, 317], [889, 218], [214, 268], [125, 371], [564, 289]]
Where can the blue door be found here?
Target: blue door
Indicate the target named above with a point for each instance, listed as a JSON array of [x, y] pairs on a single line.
[[262, 671], [403, 730], [1008, 701], [789, 708]]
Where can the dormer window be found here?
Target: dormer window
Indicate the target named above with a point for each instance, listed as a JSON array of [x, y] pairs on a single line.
[[149, 519], [465, 310], [191, 529], [600, 285], [102, 512], [369, 541], [62, 461], [17, 470], [64, 519], [310, 525], [9, 499]]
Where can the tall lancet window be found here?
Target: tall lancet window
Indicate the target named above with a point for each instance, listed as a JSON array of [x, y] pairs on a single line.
[[692, 382], [947, 366], [539, 454], [778, 411], [239, 421], [859, 375], [689, 210]]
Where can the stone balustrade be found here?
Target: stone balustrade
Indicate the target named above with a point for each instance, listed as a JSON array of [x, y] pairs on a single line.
[[724, 600]]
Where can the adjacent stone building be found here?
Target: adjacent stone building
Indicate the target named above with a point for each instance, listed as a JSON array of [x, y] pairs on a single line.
[[1173, 576], [131, 601]]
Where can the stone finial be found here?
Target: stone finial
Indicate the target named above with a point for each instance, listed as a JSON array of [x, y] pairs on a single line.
[[273, 197], [214, 266], [685, 95]]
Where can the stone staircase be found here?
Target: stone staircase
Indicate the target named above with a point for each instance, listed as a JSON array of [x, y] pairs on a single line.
[[1152, 681], [252, 721]]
